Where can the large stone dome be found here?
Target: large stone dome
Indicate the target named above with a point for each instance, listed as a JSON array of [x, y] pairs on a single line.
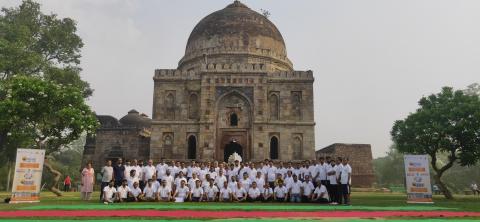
[[235, 34]]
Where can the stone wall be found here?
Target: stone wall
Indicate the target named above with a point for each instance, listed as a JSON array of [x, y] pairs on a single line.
[[293, 124], [360, 159]]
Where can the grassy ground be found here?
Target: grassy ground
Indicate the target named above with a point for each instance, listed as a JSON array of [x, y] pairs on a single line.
[[360, 201]]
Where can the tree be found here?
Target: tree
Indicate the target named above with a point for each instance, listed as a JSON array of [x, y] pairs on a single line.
[[41, 114], [40, 84], [35, 44], [446, 123], [389, 170]]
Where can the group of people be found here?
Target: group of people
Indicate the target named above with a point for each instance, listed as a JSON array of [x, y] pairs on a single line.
[[324, 181]]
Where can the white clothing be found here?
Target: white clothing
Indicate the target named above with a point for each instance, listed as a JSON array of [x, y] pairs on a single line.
[[344, 174], [308, 188], [109, 192], [321, 189], [254, 192], [123, 192], [211, 191], [280, 192], [164, 192], [225, 192]]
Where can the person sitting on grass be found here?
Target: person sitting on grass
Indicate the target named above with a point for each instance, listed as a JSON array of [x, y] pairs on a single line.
[[164, 192], [109, 193], [149, 191], [124, 193], [211, 191], [295, 189], [267, 194], [254, 193], [239, 194], [320, 195], [182, 192], [280, 192], [308, 189], [197, 192], [136, 192], [225, 193]]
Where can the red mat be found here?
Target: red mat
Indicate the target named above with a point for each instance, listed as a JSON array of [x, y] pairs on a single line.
[[230, 214]]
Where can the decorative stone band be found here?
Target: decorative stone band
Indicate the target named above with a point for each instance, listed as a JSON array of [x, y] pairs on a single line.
[[176, 74], [199, 53]]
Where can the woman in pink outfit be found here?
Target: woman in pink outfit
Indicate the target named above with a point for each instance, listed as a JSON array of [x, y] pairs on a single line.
[[88, 180]]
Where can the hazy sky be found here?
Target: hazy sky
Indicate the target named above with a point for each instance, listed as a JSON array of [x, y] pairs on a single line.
[[372, 60]]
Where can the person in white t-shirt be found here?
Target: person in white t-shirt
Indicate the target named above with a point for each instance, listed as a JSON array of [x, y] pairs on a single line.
[[267, 193], [239, 194], [320, 195], [246, 182], [149, 192], [182, 191], [280, 192], [225, 193], [271, 174], [196, 194], [233, 183], [148, 171], [123, 192], [295, 190], [254, 193], [260, 180], [169, 179], [128, 168], [211, 191], [332, 178], [192, 181], [161, 169], [180, 178], [220, 179], [164, 192], [109, 193], [345, 175], [131, 178], [308, 189], [136, 192]]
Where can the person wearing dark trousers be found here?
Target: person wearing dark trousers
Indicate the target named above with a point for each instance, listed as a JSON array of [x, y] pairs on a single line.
[[107, 176], [118, 172], [320, 195], [332, 179], [345, 175]]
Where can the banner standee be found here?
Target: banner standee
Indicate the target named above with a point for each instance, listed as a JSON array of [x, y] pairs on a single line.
[[28, 176], [417, 177]]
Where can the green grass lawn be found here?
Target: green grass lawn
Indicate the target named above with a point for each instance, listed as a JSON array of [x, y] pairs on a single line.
[[360, 201]]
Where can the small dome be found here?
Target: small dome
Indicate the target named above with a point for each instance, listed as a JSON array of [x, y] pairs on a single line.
[[133, 118], [236, 34]]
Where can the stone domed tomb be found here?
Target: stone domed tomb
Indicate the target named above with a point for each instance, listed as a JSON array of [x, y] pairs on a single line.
[[234, 91]]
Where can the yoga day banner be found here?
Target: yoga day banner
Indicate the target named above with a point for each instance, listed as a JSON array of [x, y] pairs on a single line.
[[417, 176], [28, 176]]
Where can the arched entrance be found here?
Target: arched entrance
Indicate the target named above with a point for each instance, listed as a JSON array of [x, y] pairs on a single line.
[[192, 147], [233, 126], [273, 148], [232, 147]]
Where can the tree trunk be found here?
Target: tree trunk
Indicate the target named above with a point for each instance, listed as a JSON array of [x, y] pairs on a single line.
[[446, 192], [53, 187]]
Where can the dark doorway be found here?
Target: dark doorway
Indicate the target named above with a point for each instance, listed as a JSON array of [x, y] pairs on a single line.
[[231, 148], [233, 119], [274, 148], [192, 147]]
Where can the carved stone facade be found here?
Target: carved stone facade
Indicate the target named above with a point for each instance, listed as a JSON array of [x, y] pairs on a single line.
[[127, 138], [360, 159], [235, 90]]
